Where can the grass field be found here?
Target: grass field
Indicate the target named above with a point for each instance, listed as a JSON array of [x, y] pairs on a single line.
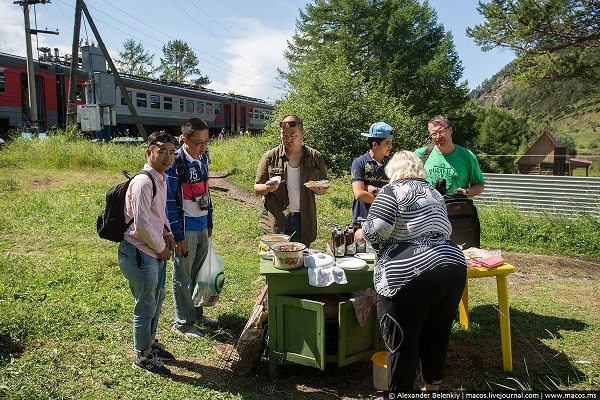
[[66, 310]]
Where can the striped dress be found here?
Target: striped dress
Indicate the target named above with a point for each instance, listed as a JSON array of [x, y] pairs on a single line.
[[409, 225]]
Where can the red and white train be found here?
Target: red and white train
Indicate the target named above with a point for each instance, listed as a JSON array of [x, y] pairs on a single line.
[[160, 106]]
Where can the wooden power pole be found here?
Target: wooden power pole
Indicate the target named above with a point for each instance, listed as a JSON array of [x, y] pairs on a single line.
[[71, 106]]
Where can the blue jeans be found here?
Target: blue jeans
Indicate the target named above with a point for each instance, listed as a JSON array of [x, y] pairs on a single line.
[[185, 270], [146, 276], [293, 225]]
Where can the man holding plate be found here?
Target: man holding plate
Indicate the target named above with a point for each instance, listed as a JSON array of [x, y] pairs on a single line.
[[282, 177]]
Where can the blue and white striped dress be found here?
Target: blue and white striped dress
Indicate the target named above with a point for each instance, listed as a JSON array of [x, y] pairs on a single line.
[[409, 225]]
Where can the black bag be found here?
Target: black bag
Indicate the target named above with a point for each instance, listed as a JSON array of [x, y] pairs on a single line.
[[111, 223], [466, 229]]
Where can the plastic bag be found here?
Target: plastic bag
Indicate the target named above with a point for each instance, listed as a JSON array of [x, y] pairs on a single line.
[[210, 279]]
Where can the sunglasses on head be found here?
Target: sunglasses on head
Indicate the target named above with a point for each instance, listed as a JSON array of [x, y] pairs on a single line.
[[163, 138], [288, 124]]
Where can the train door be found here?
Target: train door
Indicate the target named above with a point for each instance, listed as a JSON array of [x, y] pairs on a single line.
[[227, 117], [61, 101], [39, 91], [243, 118]]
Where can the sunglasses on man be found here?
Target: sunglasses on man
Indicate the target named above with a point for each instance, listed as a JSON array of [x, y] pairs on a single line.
[[288, 124]]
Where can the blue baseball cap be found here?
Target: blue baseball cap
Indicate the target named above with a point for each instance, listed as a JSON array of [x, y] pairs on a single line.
[[379, 130]]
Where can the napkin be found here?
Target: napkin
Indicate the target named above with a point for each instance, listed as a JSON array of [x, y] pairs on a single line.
[[325, 276]]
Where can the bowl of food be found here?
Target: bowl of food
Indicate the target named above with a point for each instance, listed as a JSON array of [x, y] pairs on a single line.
[[288, 255], [265, 241]]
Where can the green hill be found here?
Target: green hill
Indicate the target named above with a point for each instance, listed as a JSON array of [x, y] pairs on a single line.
[[569, 110]]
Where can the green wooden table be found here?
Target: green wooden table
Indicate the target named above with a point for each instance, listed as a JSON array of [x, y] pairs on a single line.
[[302, 328]]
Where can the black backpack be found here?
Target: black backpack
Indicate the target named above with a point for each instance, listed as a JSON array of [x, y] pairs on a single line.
[[111, 223]]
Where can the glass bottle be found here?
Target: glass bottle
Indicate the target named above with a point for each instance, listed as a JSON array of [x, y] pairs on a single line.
[[350, 245]]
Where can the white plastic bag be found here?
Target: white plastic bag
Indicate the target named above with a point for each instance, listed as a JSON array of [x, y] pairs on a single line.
[[210, 279]]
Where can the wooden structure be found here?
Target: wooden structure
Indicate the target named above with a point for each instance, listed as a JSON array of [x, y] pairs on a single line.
[[547, 156]]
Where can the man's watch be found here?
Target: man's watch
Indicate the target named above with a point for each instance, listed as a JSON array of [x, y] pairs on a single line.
[[375, 191]]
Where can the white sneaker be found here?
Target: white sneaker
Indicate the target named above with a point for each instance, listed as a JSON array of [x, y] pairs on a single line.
[[189, 332]]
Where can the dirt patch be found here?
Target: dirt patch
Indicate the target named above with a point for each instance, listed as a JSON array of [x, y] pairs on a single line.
[[221, 184]]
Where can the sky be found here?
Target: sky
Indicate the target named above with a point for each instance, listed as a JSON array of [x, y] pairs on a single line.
[[239, 43]]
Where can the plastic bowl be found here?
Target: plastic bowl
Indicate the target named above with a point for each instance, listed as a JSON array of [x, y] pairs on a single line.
[[288, 255], [266, 241]]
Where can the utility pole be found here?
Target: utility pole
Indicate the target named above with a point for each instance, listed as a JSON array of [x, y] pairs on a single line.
[[71, 106], [120, 83], [33, 108]]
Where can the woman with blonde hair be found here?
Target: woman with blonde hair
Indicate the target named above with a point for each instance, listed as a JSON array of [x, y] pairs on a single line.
[[419, 275]]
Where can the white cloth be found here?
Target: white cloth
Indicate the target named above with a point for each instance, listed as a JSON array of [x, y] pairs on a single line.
[[325, 276]]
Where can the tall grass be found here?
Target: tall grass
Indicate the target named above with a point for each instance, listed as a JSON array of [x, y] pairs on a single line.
[[65, 308]]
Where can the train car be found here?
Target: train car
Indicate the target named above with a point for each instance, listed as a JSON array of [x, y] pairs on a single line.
[[160, 106], [52, 87]]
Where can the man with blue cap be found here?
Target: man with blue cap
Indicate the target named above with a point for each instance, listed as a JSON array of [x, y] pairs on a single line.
[[367, 174]]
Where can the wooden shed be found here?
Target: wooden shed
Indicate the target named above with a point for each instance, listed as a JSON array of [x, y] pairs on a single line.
[[547, 156]]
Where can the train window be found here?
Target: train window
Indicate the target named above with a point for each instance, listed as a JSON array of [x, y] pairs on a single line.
[[256, 114], [168, 103], [123, 98], [181, 108], [262, 114], [154, 101], [142, 99], [209, 108], [189, 106], [200, 107], [2, 82], [217, 109]]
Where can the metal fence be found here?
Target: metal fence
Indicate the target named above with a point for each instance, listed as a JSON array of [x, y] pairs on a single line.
[[535, 194]]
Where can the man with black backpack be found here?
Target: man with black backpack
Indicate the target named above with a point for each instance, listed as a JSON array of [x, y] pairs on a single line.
[[145, 249], [189, 209]]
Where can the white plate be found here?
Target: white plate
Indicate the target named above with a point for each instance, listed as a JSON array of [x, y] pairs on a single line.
[[324, 183], [267, 255], [351, 263], [365, 256]]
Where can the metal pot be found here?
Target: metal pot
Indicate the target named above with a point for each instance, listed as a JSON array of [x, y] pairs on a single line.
[[266, 241], [288, 255]]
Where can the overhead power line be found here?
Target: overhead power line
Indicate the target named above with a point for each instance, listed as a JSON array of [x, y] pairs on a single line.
[[217, 68]]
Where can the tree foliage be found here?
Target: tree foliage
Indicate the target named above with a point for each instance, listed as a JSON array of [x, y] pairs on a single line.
[[553, 39], [135, 60], [180, 63], [499, 140], [336, 105], [396, 45]]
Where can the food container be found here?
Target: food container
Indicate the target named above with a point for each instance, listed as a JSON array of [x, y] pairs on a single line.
[[266, 241], [380, 381], [288, 255]]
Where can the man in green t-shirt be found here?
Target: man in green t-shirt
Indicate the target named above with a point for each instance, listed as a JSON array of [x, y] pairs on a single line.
[[449, 161]]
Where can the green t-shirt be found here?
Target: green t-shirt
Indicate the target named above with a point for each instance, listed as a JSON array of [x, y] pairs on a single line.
[[460, 168]]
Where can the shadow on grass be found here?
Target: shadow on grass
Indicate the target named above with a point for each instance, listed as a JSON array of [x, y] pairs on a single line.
[[475, 356], [474, 362]]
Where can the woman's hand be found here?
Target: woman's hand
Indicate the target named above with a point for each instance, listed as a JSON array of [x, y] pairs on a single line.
[[358, 236]]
